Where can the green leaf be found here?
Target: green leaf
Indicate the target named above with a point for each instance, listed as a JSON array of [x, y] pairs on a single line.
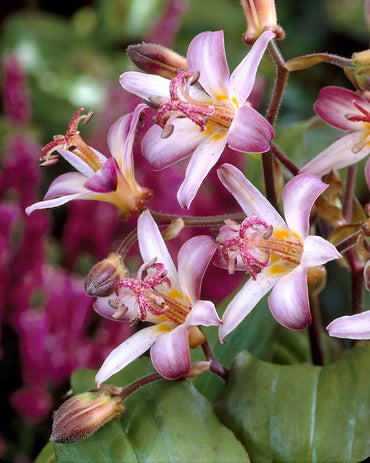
[[47, 454], [300, 413], [165, 421]]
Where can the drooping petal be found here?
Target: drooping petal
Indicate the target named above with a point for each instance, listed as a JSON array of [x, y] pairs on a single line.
[[288, 301], [249, 198], [339, 154], [250, 132], [102, 307], [317, 251], [193, 260], [66, 184], [128, 351], [335, 102], [145, 85], [170, 354], [76, 162], [163, 152], [243, 77], [203, 313], [298, 197], [201, 162], [206, 54], [121, 137], [245, 300], [105, 180], [152, 245], [56, 202], [367, 173], [351, 326]]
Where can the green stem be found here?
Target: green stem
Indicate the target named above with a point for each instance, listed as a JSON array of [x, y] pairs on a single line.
[[139, 383], [314, 331]]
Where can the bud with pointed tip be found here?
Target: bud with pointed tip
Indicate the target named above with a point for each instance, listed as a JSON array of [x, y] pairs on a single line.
[[156, 59], [103, 278], [261, 16], [83, 414]]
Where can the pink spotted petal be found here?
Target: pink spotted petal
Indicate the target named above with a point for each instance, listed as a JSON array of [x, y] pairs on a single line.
[[318, 251], [56, 202], [105, 180], [121, 137], [163, 152], [250, 132], [243, 77], [170, 354], [76, 162], [152, 245], [193, 260], [351, 326], [288, 300], [334, 102], [145, 85], [245, 300], [367, 173], [128, 351], [206, 54], [250, 199], [298, 196], [201, 162], [339, 154], [203, 313]]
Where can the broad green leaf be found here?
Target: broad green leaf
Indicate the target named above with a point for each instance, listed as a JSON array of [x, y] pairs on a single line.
[[300, 413], [47, 454], [165, 421]]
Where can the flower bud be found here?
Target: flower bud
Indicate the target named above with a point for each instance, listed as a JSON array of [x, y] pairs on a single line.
[[196, 337], [359, 72], [156, 59], [198, 368], [82, 415], [102, 279], [261, 16]]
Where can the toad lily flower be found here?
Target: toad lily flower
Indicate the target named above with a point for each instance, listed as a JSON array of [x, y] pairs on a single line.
[[165, 297], [344, 110], [202, 109], [351, 326], [99, 178], [276, 253]]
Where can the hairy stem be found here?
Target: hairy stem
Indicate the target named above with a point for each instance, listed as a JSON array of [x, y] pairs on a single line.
[[191, 221], [283, 158], [139, 383], [314, 331], [216, 366]]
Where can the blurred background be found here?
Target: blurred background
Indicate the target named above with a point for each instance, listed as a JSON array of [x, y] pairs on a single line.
[[57, 57]]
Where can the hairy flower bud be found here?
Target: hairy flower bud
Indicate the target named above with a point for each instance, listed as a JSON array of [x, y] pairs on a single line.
[[103, 278], [260, 16], [359, 73], [156, 59], [82, 415]]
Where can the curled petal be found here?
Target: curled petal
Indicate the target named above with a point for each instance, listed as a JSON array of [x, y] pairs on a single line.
[[145, 85], [170, 354], [103, 308], [153, 246], [70, 183], [128, 351], [203, 313], [249, 198], [243, 77], [106, 178], [351, 326], [250, 132], [339, 154], [335, 102], [298, 197], [77, 162], [245, 300], [163, 152], [318, 251], [56, 202], [193, 260], [288, 300], [206, 54], [203, 159]]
